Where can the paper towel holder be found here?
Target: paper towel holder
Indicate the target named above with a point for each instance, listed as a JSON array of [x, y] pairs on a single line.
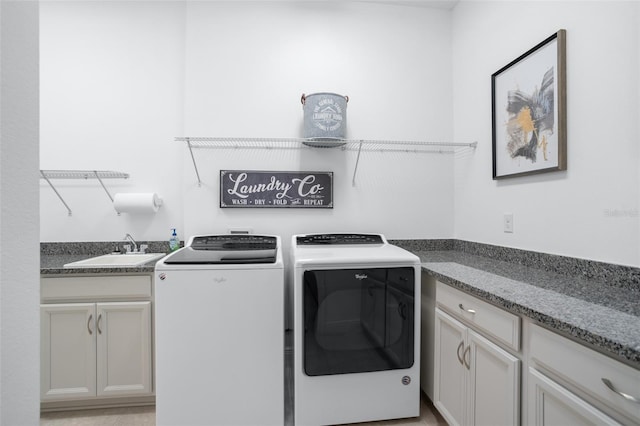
[[137, 203]]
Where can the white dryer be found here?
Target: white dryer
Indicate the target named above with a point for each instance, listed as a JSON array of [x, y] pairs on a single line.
[[356, 329], [220, 332]]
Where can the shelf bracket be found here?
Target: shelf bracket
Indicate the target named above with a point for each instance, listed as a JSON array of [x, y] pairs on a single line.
[[95, 172], [193, 158], [355, 168], [44, 176]]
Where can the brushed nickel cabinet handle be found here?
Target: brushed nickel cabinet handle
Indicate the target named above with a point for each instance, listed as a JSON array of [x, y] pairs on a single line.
[[89, 324], [464, 357], [622, 394], [458, 353], [98, 324], [471, 311]]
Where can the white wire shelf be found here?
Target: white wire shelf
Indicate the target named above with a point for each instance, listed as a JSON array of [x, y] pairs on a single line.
[[357, 145], [302, 143], [80, 174]]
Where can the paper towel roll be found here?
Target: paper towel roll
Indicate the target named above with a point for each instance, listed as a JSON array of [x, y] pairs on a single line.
[[147, 202]]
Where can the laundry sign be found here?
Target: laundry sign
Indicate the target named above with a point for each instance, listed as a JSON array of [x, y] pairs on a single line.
[[263, 189]]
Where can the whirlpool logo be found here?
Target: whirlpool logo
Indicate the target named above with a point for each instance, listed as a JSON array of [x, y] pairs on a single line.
[[361, 277]]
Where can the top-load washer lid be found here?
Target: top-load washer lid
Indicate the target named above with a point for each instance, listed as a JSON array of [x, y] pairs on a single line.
[[338, 239], [226, 249]]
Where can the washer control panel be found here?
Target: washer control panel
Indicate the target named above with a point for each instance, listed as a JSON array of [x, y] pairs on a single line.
[[233, 242]]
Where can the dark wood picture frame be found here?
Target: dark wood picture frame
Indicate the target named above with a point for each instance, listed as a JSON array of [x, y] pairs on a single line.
[[529, 115]]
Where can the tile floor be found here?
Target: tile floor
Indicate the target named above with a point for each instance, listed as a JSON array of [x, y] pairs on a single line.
[[127, 416], [146, 416]]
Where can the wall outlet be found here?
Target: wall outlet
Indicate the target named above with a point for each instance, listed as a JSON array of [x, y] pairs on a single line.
[[508, 222]]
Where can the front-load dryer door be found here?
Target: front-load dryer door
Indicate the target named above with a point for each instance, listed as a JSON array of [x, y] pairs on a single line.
[[358, 320]]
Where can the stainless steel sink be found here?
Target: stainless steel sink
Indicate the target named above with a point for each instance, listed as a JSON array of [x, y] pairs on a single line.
[[115, 260]]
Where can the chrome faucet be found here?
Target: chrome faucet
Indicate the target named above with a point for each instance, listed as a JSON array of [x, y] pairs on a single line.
[[128, 237]]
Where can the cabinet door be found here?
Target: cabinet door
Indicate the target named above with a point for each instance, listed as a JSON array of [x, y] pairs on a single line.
[[124, 348], [68, 351], [552, 405], [494, 383], [449, 370]]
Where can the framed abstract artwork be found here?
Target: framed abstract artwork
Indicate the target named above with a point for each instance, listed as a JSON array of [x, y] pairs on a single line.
[[528, 105]]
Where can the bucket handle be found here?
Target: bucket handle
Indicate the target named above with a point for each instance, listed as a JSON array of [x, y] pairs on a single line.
[[303, 98]]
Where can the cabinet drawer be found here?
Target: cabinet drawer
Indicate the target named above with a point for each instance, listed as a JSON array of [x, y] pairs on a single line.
[[95, 288], [552, 404], [498, 323], [585, 369]]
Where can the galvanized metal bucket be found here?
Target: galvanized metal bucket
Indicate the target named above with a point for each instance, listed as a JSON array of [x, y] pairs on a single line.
[[325, 117]]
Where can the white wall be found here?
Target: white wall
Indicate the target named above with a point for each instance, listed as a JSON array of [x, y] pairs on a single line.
[[590, 210], [247, 67], [116, 74], [111, 99], [121, 79], [19, 260]]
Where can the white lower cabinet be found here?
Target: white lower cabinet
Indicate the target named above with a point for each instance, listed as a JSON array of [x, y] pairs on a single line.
[[475, 381], [93, 350], [552, 405], [572, 384], [450, 374], [477, 376], [123, 364], [68, 351]]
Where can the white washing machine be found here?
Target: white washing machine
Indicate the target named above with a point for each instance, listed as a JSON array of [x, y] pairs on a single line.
[[220, 332], [356, 329]]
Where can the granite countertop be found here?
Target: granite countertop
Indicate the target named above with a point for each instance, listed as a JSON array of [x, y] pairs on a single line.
[[53, 257], [599, 314], [53, 264]]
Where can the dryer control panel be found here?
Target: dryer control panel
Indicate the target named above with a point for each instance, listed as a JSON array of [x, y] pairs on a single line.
[[327, 239]]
